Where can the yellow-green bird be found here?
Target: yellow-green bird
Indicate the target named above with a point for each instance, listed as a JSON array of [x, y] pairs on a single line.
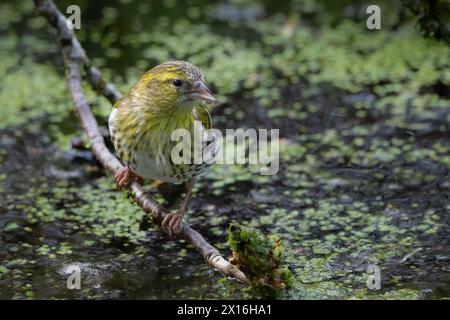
[[168, 97]]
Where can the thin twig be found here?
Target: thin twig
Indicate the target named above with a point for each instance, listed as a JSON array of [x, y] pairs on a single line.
[[75, 59], [102, 87], [410, 255]]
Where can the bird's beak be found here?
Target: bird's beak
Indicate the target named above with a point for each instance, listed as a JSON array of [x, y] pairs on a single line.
[[201, 92]]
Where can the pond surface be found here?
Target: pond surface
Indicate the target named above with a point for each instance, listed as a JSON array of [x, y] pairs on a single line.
[[364, 121]]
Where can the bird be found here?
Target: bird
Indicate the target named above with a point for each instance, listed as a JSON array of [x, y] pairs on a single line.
[[170, 96]]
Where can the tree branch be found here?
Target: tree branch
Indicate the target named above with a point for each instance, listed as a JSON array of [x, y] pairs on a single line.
[[75, 59]]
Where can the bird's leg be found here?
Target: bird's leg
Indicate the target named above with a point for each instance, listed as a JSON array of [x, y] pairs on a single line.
[[173, 220], [125, 176], [155, 184]]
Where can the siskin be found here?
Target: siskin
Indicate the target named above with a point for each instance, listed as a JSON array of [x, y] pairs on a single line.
[[168, 97]]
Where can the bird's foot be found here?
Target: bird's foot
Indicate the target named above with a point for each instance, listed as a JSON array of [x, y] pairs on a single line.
[[125, 176], [173, 223]]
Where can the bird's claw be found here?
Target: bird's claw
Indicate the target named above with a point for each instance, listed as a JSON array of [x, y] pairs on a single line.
[[125, 176], [173, 223]]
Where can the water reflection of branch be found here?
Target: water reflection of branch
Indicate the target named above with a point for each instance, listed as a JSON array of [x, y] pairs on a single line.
[[75, 59]]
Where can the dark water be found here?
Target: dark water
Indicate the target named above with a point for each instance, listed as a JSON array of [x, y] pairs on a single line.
[[360, 182]]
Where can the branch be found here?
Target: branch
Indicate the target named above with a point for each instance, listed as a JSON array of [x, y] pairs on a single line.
[[75, 59], [95, 78]]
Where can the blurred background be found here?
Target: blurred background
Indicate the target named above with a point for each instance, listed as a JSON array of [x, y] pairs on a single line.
[[364, 119]]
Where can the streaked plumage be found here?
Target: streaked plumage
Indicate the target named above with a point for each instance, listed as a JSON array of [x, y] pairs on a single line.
[[170, 96], [142, 122]]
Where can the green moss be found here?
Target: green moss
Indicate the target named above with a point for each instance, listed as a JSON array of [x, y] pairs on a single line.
[[259, 257], [364, 150]]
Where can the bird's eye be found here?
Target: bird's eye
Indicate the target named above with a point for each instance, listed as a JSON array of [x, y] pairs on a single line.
[[177, 82]]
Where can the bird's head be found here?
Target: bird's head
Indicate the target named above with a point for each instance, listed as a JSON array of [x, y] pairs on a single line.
[[173, 85]]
